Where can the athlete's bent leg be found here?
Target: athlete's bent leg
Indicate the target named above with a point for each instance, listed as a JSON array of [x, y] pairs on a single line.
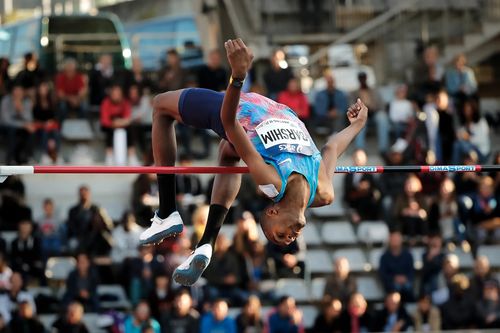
[[167, 221], [225, 190]]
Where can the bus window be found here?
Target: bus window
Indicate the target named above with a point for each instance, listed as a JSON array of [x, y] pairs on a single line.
[[25, 39], [5, 43]]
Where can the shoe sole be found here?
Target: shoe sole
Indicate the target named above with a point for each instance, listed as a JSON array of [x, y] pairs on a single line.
[[159, 237], [187, 277]]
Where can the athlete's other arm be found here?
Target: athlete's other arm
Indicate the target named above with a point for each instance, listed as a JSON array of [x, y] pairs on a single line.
[[336, 145], [240, 59]]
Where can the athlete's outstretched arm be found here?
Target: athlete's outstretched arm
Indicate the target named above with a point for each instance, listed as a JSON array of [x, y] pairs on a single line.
[[338, 143], [240, 59]]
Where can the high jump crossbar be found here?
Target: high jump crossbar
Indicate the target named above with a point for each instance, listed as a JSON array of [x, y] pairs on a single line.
[[55, 169]]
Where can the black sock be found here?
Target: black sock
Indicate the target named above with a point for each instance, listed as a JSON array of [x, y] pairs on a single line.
[[166, 189], [216, 216]]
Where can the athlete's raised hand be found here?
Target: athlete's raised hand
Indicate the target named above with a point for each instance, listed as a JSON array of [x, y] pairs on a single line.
[[357, 113], [240, 57]]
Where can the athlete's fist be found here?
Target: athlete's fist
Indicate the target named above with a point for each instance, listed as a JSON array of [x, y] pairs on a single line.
[[240, 57], [357, 113]]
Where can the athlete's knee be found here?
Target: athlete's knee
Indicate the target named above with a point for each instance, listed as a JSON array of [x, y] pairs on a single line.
[[326, 197]]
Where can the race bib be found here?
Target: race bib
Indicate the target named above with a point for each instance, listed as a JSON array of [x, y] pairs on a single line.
[[282, 135]]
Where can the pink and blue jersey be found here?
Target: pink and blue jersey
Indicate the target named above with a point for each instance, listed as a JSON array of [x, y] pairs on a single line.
[[274, 129], [281, 139]]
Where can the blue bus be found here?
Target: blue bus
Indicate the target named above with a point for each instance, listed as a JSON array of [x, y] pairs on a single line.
[[150, 39], [55, 37]]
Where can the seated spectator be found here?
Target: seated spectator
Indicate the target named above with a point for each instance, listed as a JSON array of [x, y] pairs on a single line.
[[474, 134], [17, 121], [26, 251], [484, 215], [488, 307], [13, 208], [401, 112], [250, 318], [217, 320], [287, 261], [160, 298], [72, 321], [460, 80], [331, 318], [458, 312], [46, 124], [145, 198], [451, 266], [50, 227], [432, 260], [286, 317], [116, 114], [427, 317], [250, 249], [225, 275], [277, 76], [125, 238], [5, 80], [393, 317], [182, 317], [410, 212], [482, 273], [330, 106], [141, 319], [26, 320], [172, 76], [495, 175], [427, 73], [361, 192], [213, 75], [100, 79], [71, 90], [392, 184], [396, 269], [31, 74], [10, 300], [88, 226], [5, 274], [358, 318], [295, 99], [136, 76], [377, 114], [440, 126], [443, 214], [340, 285], [141, 118], [139, 273], [81, 284], [466, 183]]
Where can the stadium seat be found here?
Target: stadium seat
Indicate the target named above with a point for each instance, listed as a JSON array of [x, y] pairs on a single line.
[[311, 235], [374, 257], [47, 320], [356, 257], [318, 261], [95, 322], [309, 312], [58, 268], [338, 233], [493, 254], [77, 130], [234, 312], [465, 258], [417, 253], [8, 237], [112, 297], [318, 288], [373, 232], [331, 211], [295, 288], [370, 288]]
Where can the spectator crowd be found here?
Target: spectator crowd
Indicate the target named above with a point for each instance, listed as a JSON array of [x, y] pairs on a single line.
[[432, 119]]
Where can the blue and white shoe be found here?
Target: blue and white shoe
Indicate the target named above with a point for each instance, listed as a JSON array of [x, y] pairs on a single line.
[[190, 270], [161, 229]]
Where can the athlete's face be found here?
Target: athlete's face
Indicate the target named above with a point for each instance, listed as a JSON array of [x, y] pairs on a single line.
[[280, 225]]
